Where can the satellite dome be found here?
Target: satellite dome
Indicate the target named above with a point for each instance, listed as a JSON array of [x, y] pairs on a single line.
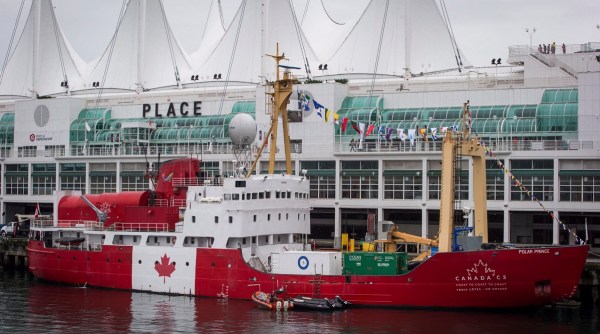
[[242, 129]]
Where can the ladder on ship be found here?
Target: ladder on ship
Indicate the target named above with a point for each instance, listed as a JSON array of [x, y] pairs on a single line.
[[316, 281]]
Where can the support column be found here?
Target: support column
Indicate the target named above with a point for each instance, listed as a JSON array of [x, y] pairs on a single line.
[[337, 232], [556, 229], [506, 237], [118, 177], [424, 222]]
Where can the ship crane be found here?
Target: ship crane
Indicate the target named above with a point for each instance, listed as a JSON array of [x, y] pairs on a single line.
[[463, 144], [394, 236], [101, 215]]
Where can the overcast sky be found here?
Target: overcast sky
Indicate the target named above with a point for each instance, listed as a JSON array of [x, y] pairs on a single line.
[[483, 28]]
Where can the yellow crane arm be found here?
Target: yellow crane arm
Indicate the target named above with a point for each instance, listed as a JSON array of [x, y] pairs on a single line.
[[412, 238]]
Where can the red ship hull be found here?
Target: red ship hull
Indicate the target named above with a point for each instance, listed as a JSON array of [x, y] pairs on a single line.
[[488, 278]]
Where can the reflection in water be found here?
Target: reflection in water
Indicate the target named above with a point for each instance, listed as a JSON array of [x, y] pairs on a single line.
[[28, 305]]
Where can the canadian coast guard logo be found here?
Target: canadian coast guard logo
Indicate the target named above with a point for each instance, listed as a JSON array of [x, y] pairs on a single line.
[[481, 277], [480, 272]]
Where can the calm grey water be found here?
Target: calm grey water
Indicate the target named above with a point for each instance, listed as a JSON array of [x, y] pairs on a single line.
[[31, 306]]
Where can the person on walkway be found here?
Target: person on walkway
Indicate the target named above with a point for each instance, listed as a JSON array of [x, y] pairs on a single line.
[[352, 145], [545, 51], [553, 47], [564, 48], [540, 48]]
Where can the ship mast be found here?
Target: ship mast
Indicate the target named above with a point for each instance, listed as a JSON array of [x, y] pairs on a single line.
[[464, 144], [280, 97]]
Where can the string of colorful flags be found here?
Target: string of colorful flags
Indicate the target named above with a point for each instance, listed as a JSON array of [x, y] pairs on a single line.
[[366, 129]]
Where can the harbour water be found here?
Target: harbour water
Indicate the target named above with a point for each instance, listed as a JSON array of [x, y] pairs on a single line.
[[28, 305]]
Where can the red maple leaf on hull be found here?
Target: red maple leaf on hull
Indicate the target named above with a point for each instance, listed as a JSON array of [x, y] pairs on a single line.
[[164, 268]]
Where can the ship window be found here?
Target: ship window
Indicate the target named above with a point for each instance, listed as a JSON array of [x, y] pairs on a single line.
[[135, 238], [278, 238], [254, 195], [289, 194], [267, 194], [243, 196], [268, 217], [305, 216], [277, 194], [255, 218], [193, 219], [283, 194], [286, 216], [248, 196], [279, 216], [168, 240], [243, 241], [216, 219], [155, 240], [227, 197], [235, 197], [253, 240], [261, 195], [230, 219], [240, 184]]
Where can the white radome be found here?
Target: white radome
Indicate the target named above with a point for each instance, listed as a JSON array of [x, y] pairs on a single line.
[[242, 129]]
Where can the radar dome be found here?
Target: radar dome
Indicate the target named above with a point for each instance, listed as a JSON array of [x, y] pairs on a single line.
[[242, 129]]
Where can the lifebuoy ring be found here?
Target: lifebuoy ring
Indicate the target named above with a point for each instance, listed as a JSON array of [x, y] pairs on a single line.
[[303, 262]]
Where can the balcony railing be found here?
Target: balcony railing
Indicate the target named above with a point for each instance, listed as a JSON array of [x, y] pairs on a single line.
[[177, 150], [501, 145]]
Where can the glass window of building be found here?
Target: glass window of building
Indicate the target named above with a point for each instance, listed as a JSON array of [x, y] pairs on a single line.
[[103, 178], [16, 179], [537, 176], [72, 176], [579, 180], [132, 176], [494, 181], [359, 179], [321, 175], [43, 179]]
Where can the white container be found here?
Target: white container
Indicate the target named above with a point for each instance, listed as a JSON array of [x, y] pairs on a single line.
[[306, 263]]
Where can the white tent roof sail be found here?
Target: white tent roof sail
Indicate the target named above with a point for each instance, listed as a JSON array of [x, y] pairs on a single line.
[[408, 26], [212, 33], [146, 55], [36, 64], [247, 47], [145, 51]]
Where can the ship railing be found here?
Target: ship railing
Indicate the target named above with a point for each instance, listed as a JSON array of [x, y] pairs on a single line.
[[146, 227], [42, 223], [198, 181], [175, 202], [83, 224]]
